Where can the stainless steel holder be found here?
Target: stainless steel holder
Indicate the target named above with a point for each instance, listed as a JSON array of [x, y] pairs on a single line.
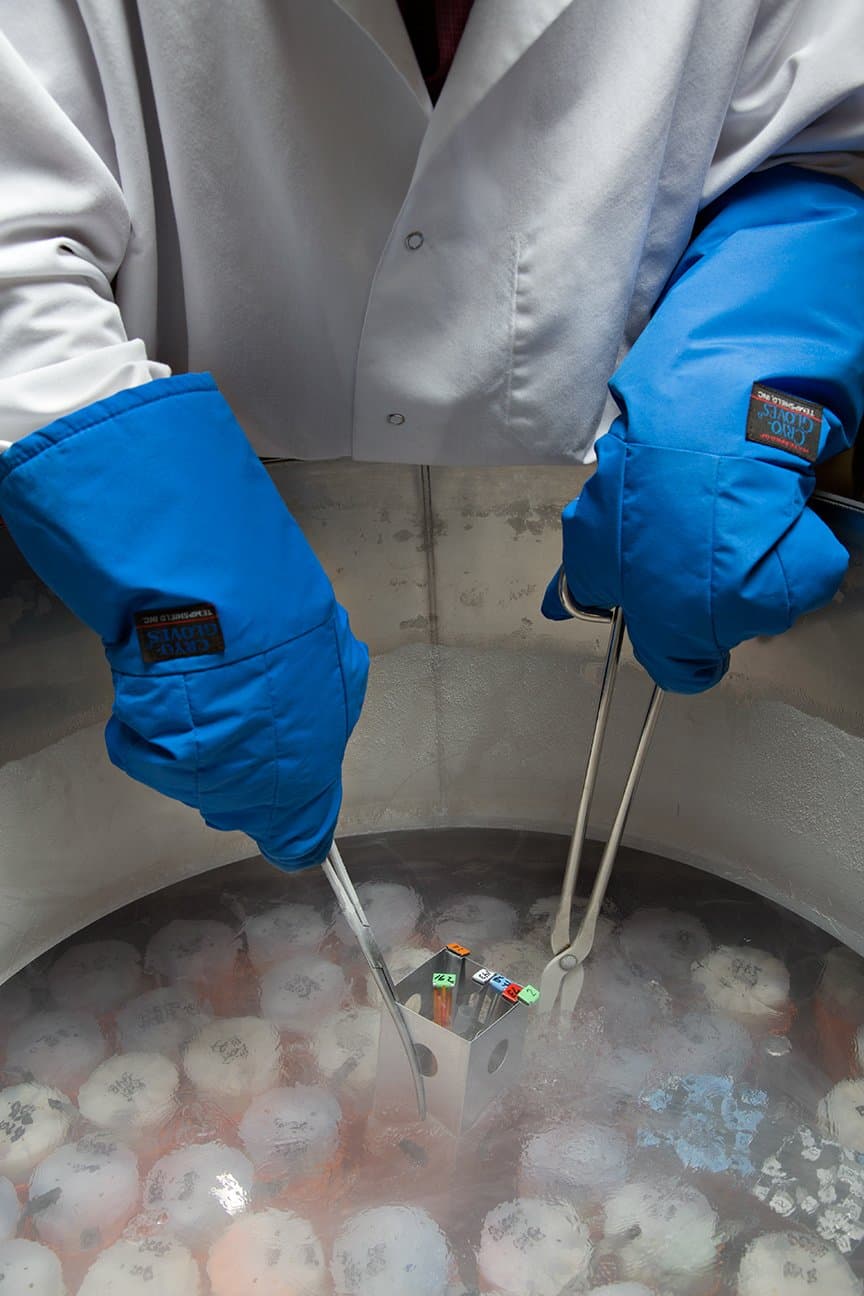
[[461, 1076]]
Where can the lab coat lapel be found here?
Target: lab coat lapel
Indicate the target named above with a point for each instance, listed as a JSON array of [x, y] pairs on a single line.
[[497, 35], [382, 22]]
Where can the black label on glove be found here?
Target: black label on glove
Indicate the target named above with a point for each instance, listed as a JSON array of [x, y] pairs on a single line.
[[168, 633], [784, 422]]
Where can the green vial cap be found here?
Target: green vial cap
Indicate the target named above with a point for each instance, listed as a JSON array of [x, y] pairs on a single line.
[[529, 994]]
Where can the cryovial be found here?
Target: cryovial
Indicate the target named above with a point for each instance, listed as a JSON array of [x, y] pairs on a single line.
[[346, 1051], [795, 1264], [838, 1010], [200, 955], [60, 1049], [475, 920], [393, 911], [161, 1021], [532, 1247], [703, 1043], [10, 1209], [298, 992], [391, 1251], [841, 1114], [147, 1265], [575, 1161], [293, 1135], [232, 1059], [281, 932], [96, 977], [664, 943], [197, 1191], [664, 1229], [29, 1267], [268, 1253], [34, 1120], [749, 984], [84, 1194], [130, 1094]]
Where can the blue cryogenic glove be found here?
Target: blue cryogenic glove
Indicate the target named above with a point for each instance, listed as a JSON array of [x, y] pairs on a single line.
[[237, 679], [751, 370]]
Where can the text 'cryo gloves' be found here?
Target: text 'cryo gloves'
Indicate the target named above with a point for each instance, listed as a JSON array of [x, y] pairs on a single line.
[[237, 679], [751, 371]]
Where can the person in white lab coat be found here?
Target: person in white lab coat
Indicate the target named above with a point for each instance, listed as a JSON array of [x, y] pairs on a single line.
[[629, 225]]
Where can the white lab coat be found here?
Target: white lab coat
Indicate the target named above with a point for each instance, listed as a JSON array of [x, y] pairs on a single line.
[[262, 189]]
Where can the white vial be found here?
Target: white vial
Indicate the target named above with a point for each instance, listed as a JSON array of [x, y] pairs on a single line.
[[282, 931], [96, 977], [664, 943], [198, 1190], [268, 1253], [131, 1093], [56, 1048], [34, 1120], [475, 920], [10, 1209], [662, 1228], [391, 1251], [531, 1247], [293, 1133], [393, 911], [745, 981], [84, 1193], [346, 1050], [141, 1267], [795, 1264], [161, 1021], [28, 1267], [192, 952], [232, 1059], [841, 1114], [573, 1161], [298, 992]]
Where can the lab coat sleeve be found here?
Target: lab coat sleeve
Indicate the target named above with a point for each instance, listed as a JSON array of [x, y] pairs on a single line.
[[798, 96], [64, 230]]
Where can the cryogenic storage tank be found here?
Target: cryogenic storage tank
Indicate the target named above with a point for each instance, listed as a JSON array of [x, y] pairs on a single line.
[[191, 1090], [478, 713]]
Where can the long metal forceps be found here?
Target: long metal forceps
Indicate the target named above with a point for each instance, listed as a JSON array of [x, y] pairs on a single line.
[[564, 974], [352, 911]]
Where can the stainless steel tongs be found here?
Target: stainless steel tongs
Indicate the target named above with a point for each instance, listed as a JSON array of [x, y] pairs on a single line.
[[564, 974], [352, 911]]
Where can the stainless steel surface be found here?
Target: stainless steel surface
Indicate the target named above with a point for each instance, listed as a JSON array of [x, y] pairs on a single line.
[[352, 911], [560, 935], [563, 976], [462, 1076], [478, 712]]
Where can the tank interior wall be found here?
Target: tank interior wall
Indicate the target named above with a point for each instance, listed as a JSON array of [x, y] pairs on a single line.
[[478, 712]]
